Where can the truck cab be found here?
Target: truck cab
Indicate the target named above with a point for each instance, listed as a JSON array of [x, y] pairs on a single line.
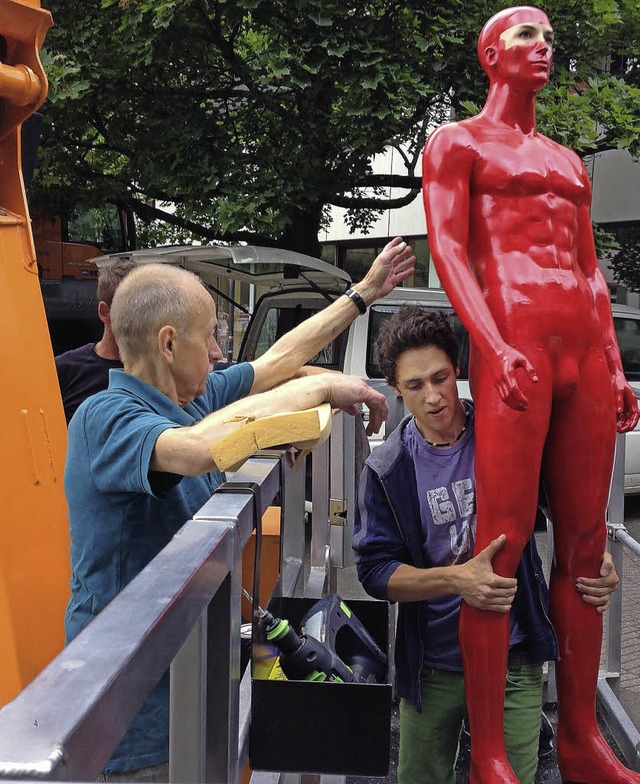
[[66, 245]]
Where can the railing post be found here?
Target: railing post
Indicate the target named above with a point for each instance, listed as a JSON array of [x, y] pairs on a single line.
[[343, 481], [615, 514], [205, 687], [187, 708], [320, 531], [292, 531]]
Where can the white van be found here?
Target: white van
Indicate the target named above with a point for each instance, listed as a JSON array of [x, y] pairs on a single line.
[[294, 286]]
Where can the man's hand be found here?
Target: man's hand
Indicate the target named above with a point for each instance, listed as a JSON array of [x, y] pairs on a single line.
[[597, 591], [503, 368], [480, 586], [348, 392], [394, 264], [626, 403]]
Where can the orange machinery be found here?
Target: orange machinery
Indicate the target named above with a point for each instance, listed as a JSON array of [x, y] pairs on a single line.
[[34, 546]]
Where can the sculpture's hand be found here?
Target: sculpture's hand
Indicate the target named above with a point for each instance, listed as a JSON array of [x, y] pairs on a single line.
[[597, 590], [503, 368], [394, 264], [626, 403], [480, 586]]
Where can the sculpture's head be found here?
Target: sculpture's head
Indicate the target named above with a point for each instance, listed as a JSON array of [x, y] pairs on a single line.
[[516, 46]]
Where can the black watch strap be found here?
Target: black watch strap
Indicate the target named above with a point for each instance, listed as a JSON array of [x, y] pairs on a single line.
[[357, 299]]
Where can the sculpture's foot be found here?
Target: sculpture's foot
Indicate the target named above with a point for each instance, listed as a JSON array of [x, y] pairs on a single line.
[[492, 771], [589, 760]]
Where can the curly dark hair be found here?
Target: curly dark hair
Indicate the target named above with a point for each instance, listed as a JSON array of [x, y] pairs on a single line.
[[413, 327]]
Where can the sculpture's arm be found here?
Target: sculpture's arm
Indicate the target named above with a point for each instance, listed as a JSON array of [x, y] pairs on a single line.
[[447, 166], [626, 403]]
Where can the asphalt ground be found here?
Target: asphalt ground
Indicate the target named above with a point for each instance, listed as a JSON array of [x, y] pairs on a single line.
[[627, 690]]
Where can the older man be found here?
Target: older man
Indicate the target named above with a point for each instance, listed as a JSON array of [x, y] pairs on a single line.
[[138, 462]]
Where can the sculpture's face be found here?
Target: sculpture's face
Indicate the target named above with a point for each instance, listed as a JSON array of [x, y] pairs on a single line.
[[527, 53], [516, 47]]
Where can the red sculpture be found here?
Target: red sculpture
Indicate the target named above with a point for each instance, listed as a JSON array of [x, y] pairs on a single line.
[[510, 233]]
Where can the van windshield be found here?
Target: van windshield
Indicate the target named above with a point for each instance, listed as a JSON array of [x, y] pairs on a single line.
[[380, 313], [279, 320]]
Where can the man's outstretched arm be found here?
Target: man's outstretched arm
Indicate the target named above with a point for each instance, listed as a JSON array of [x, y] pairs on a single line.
[[185, 450], [392, 266]]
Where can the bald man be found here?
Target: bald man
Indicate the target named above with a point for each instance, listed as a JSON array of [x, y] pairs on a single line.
[[138, 462], [510, 233]]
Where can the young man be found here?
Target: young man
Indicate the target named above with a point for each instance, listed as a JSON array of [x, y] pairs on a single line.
[[414, 538], [84, 371], [138, 462], [508, 213]]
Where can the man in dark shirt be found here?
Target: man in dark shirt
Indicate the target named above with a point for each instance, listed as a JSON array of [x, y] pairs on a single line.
[[84, 371]]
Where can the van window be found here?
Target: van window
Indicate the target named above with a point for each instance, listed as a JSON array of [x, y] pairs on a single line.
[[279, 320], [628, 334], [380, 314]]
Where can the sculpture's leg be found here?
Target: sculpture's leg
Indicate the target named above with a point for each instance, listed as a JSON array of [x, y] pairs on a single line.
[[484, 645], [508, 453], [576, 468]]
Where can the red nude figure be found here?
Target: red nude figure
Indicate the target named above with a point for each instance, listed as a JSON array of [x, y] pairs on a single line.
[[510, 232]]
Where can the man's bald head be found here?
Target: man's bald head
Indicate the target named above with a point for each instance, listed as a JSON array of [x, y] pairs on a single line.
[[150, 297], [503, 20]]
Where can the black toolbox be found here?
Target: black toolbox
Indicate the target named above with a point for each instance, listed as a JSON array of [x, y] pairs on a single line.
[[322, 727]]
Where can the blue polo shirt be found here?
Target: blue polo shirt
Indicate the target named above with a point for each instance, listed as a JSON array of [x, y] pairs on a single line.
[[121, 514]]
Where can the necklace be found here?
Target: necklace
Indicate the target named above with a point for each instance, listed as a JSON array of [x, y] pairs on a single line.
[[460, 434]]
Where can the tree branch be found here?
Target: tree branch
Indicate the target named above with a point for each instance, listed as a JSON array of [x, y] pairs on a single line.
[[149, 213], [389, 181], [239, 68], [373, 204]]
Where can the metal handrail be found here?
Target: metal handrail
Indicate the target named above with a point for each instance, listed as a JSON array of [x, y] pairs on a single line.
[[67, 722]]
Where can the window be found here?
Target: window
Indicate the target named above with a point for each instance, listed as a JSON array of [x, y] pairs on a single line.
[[99, 226], [279, 320], [356, 260], [628, 334]]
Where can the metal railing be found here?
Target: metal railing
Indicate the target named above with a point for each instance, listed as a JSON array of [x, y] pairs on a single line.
[[182, 611], [611, 709]]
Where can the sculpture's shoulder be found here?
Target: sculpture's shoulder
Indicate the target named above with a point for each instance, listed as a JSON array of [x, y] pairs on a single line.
[[451, 144], [451, 136]]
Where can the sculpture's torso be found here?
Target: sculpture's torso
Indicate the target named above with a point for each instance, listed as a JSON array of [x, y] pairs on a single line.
[[524, 195]]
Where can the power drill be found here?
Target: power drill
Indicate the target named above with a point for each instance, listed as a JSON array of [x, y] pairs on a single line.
[[334, 645]]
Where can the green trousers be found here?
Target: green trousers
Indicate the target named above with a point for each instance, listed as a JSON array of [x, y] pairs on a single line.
[[429, 740]]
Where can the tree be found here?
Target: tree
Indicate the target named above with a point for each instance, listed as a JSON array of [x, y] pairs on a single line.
[[252, 116], [625, 264]]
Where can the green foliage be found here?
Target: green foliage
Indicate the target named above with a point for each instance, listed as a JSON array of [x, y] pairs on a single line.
[[625, 265], [605, 241], [251, 116]]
